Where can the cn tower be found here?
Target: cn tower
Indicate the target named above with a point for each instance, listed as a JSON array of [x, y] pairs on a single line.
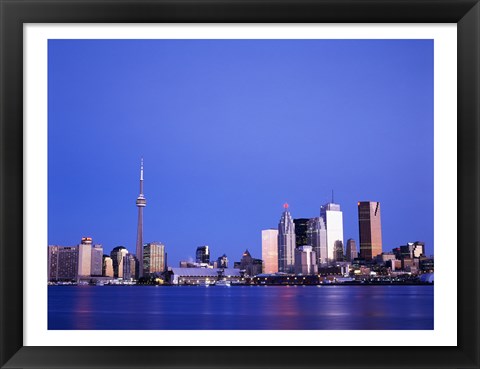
[[141, 203]]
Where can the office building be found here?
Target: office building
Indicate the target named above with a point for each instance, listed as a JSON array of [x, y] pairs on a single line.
[[370, 229], [222, 261], [333, 217], [203, 254], [117, 255], [339, 255], [97, 261], [130, 267], [286, 242], [305, 260], [62, 263], [85, 257], [251, 266], [351, 252], [301, 230], [270, 250], [317, 238], [107, 266], [141, 203], [154, 258], [413, 250]]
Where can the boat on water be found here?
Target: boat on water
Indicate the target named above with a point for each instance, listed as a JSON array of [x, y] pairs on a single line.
[[223, 283]]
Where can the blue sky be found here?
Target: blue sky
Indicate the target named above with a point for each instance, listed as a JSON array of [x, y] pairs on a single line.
[[229, 131]]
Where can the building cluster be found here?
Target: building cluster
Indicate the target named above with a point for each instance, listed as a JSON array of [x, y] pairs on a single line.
[[310, 246], [301, 246]]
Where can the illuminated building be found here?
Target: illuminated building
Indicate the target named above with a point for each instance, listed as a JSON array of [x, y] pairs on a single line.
[[286, 242], [85, 257], [141, 203], [270, 250], [333, 217], [370, 229], [107, 266], [154, 258]]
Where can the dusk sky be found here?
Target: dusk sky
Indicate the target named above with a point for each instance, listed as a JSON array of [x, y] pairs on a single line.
[[229, 131]]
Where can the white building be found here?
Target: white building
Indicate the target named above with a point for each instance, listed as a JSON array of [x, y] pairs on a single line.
[[85, 257], [333, 217]]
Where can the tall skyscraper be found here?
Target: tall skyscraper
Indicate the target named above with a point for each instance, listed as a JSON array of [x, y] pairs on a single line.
[[370, 229], [351, 252], [317, 238], [270, 250], [339, 255], [85, 257], [97, 260], [333, 217], [117, 255], [203, 255], [286, 242], [154, 258], [141, 203]]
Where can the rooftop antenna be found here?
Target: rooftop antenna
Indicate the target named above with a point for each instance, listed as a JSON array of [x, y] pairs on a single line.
[[333, 202]]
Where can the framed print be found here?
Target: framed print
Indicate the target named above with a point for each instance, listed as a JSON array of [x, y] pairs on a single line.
[[302, 160]]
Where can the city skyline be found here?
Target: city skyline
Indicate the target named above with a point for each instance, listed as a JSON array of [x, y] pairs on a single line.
[[214, 171]]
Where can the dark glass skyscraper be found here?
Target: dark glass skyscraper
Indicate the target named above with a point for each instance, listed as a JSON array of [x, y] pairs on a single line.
[[351, 252], [301, 229], [370, 229]]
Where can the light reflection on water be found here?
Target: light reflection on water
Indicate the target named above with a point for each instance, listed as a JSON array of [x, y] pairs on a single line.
[[329, 307]]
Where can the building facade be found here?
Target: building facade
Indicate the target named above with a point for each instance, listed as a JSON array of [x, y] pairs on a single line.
[[333, 217], [301, 231], [286, 242], [202, 254], [339, 254], [222, 261], [130, 267], [97, 261], [250, 265], [107, 266], [351, 252], [370, 229], [85, 257], [305, 260], [317, 238], [154, 258], [117, 255], [62, 263], [270, 250]]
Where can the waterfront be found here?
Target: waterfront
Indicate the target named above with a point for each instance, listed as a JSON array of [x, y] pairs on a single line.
[[248, 307]]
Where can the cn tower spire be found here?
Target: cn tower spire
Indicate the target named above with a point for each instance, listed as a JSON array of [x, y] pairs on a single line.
[[141, 203]]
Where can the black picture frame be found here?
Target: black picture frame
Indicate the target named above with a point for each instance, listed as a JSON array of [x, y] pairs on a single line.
[[14, 13]]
